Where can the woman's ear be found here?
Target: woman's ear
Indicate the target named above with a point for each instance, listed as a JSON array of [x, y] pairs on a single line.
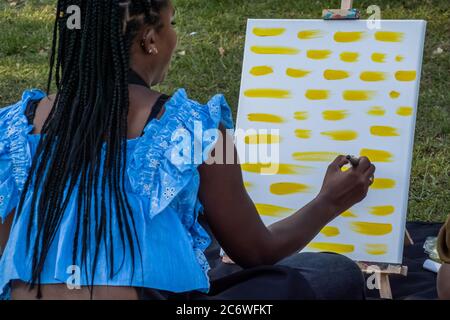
[[148, 42]]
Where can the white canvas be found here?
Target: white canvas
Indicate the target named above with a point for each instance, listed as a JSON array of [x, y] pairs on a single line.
[[382, 118]]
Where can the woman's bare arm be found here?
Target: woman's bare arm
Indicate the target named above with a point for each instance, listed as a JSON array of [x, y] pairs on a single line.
[[4, 231], [236, 224]]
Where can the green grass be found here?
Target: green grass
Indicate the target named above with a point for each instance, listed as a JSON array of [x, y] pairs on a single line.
[[199, 67]]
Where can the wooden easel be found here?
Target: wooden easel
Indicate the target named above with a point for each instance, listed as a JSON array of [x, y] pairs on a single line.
[[382, 271]]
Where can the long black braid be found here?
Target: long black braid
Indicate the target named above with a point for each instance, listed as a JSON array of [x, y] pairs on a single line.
[[87, 127]]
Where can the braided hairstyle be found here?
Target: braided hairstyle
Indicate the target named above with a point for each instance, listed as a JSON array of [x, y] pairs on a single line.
[[82, 151]]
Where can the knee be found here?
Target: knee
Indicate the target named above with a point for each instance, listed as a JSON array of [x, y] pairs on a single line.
[[443, 282]]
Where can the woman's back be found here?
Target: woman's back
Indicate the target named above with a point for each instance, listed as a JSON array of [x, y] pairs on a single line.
[[162, 192]]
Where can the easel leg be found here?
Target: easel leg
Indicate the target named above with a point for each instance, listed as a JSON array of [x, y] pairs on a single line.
[[385, 287]]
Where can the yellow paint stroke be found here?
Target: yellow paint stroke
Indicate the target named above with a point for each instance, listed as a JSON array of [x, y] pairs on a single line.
[[261, 70], [379, 57], [373, 76], [262, 139], [248, 185], [332, 247], [349, 56], [272, 210], [394, 94], [301, 115], [349, 214], [357, 95], [268, 93], [303, 134], [341, 135], [285, 188], [345, 37], [346, 167], [399, 58], [281, 168], [315, 156], [405, 111], [410, 75], [382, 211], [318, 54], [384, 131], [297, 73], [317, 94], [309, 34], [389, 36], [265, 117], [330, 231], [268, 32], [335, 74], [376, 111], [371, 228], [376, 249], [377, 155], [383, 183], [274, 50], [335, 115]]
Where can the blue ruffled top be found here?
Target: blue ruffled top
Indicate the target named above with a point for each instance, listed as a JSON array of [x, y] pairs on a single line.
[[162, 183]]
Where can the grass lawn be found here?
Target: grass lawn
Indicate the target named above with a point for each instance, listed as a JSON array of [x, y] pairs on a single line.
[[203, 68]]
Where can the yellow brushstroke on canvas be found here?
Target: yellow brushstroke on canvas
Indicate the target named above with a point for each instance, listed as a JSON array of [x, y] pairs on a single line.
[[378, 57], [399, 58], [318, 54], [282, 168], [265, 117], [317, 94], [394, 94], [315, 156], [341, 135], [384, 131], [376, 111], [309, 34], [383, 183], [349, 56], [248, 185], [261, 70], [262, 139], [335, 74], [301, 115], [285, 188], [330, 231], [377, 155], [371, 228], [268, 32], [297, 73], [332, 247], [303, 133], [373, 76], [382, 211], [346, 37], [349, 214], [404, 76], [376, 249], [272, 210], [268, 93], [274, 50], [405, 111], [334, 115], [389, 36], [357, 95]]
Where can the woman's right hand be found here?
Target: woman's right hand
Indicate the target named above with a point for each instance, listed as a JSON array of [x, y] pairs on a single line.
[[343, 189]]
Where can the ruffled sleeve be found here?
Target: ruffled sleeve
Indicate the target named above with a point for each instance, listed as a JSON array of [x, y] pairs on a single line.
[[15, 156], [165, 161]]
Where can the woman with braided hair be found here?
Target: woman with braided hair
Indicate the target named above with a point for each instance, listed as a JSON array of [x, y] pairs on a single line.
[[96, 204]]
